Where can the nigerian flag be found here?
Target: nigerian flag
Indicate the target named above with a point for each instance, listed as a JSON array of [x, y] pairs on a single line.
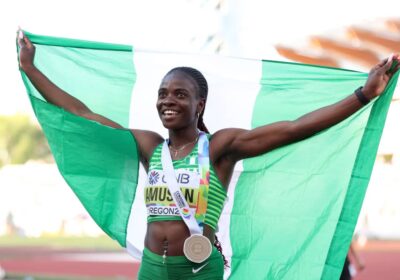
[[290, 213]]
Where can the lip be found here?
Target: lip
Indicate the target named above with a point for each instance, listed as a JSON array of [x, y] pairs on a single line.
[[169, 114]]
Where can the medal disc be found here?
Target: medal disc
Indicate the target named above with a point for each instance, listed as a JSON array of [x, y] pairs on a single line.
[[197, 248]]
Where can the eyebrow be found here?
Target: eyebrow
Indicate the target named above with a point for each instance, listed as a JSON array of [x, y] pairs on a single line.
[[182, 89], [177, 89]]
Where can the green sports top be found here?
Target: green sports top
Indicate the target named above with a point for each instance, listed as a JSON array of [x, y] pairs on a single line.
[[159, 202]]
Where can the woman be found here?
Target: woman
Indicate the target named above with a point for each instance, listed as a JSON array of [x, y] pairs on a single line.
[[181, 101]]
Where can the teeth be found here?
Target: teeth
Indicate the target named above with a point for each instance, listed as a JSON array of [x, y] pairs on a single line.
[[170, 112]]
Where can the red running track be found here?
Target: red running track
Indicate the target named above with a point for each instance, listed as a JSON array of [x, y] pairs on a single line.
[[382, 261], [43, 261], [71, 268]]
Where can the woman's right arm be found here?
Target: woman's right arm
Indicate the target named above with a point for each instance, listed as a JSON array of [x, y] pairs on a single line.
[[147, 140], [51, 92]]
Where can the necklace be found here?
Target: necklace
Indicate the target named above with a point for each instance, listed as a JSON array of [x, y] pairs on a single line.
[[177, 150]]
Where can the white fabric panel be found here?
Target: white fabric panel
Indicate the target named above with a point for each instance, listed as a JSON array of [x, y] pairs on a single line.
[[233, 87]]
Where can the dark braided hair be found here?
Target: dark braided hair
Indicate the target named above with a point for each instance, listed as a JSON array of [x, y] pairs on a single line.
[[202, 87]]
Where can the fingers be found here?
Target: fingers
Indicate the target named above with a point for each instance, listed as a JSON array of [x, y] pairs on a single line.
[[20, 38], [387, 64], [396, 68], [23, 40], [394, 64], [27, 42], [382, 62], [20, 33], [21, 43], [392, 71]]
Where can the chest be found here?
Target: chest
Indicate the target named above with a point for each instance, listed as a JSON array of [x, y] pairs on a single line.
[[186, 171]]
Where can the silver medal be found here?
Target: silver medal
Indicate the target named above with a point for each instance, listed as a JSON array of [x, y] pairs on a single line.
[[197, 248]]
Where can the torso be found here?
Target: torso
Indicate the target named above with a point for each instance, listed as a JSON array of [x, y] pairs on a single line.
[[174, 233]]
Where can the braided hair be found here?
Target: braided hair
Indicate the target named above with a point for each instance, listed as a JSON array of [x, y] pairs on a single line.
[[202, 87]]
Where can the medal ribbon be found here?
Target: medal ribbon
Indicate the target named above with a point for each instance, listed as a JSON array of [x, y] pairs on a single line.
[[193, 219]]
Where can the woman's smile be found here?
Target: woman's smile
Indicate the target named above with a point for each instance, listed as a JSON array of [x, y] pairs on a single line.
[[177, 101], [169, 114]]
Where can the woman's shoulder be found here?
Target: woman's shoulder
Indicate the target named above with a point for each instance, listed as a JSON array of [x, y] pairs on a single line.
[[218, 141], [223, 141], [225, 135], [147, 142]]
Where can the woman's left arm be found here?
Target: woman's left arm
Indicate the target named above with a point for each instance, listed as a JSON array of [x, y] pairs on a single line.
[[239, 144]]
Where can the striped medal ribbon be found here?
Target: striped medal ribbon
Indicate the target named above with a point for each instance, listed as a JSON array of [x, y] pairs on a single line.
[[197, 248]]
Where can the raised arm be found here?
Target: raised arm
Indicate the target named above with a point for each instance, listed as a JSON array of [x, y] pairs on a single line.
[[147, 140], [51, 92], [236, 144]]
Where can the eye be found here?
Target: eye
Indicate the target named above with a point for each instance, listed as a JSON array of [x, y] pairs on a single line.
[[162, 93], [181, 93]]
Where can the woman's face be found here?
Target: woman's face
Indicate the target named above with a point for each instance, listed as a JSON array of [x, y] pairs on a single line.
[[178, 101]]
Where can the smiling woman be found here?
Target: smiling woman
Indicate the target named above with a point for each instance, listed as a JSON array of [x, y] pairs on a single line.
[[180, 101], [190, 159], [182, 81]]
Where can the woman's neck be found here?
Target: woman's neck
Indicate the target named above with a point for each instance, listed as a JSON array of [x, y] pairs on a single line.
[[178, 138]]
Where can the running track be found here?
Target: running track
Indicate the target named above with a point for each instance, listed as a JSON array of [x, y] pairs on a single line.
[[44, 261], [382, 260]]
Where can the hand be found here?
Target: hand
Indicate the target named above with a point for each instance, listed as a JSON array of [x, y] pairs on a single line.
[[360, 265], [379, 77], [26, 51]]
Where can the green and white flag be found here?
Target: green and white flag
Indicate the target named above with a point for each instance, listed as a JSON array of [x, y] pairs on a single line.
[[290, 213]]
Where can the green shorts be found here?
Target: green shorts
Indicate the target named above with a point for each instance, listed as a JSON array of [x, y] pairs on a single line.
[[179, 267]]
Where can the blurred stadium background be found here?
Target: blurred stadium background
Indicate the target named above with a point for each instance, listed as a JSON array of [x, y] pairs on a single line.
[[44, 231]]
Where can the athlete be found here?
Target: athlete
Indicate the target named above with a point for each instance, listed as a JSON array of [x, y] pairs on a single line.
[[182, 97]]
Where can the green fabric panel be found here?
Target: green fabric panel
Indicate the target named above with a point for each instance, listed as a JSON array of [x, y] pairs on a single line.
[[74, 43], [288, 202], [101, 78], [99, 163], [358, 184]]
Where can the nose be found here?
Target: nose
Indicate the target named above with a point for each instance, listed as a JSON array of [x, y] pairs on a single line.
[[168, 100]]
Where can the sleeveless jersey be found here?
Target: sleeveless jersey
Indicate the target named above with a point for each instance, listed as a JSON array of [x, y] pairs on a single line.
[[159, 202]]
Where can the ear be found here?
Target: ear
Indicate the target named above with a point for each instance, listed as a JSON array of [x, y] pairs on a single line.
[[201, 105]]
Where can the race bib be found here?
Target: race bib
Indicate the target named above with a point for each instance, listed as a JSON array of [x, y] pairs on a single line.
[[158, 198]]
